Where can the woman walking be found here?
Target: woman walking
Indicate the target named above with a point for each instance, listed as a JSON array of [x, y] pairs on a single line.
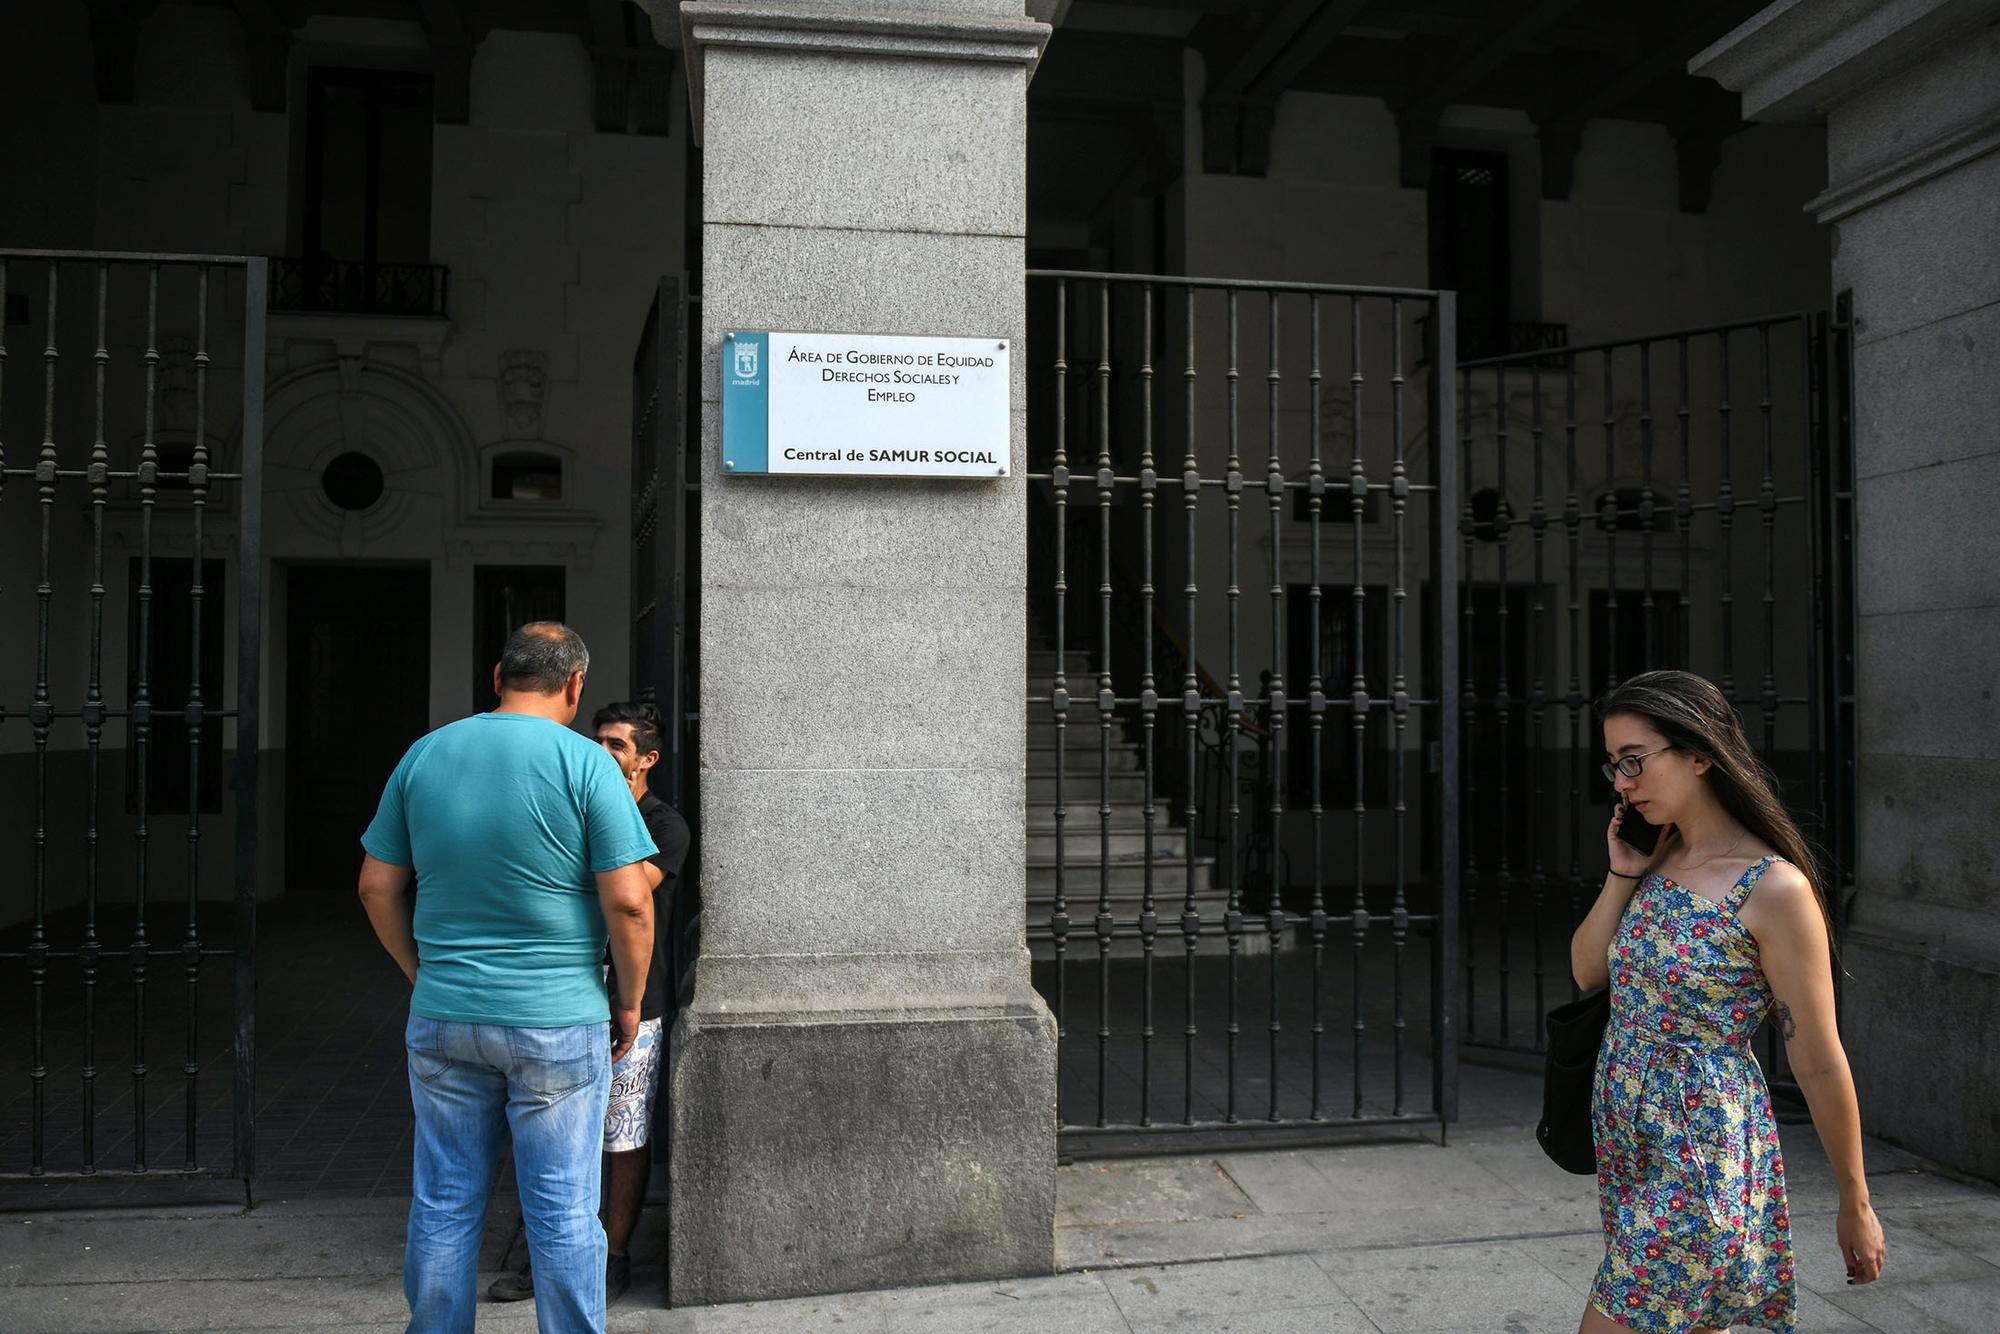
[[1724, 922]]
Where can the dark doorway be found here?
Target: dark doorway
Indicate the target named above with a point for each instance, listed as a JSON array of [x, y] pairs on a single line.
[[1470, 247], [357, 692], [505, 598]]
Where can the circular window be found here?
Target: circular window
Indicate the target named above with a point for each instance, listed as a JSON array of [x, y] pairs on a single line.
[[353, 481]]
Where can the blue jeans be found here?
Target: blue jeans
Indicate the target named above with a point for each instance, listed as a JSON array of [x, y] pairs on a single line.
[[470, 1084]]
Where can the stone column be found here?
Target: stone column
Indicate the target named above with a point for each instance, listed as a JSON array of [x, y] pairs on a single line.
[[1910, 90], [864, 1085]]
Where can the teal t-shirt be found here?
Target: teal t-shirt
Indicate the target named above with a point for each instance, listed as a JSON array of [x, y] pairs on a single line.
[[505, 817]]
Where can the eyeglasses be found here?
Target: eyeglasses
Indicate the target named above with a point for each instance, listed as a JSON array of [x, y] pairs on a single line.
[[1631, 766]]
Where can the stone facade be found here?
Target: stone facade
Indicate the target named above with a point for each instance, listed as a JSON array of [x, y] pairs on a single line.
[[554, 233], [1912, 109], [864, 1085]]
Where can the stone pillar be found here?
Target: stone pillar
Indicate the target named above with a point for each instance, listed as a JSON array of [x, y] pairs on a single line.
[[864, 1085], [1910, 90]]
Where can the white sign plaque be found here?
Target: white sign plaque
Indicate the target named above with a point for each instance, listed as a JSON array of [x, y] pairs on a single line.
[[865, 405]]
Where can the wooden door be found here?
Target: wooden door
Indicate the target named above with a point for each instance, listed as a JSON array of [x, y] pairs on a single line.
[[357, 683]]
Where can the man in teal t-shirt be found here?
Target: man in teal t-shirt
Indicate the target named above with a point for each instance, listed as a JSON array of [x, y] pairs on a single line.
[[525, 848]]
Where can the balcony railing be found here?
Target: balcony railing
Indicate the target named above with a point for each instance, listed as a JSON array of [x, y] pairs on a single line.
[[357, 288]]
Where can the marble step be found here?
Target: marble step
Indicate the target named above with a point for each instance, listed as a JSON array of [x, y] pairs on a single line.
[[1123, 787], [1087, 761], [1082, 845], [1126, 874], [1081, 840]]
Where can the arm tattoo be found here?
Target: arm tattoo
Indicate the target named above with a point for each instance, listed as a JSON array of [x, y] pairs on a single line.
[[1788, 1027]]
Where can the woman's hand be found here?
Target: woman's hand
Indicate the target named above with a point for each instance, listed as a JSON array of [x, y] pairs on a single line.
[[1861, 1244], [1626, 860]]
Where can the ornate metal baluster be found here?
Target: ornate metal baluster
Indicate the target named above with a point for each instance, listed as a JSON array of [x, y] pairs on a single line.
[[191, 947], [1538, 522], [1725, 515], [1469, 706], [41, 715], [1767, 505], [1274, 713], [141, 720], [1608, 513], [1232, 920], [98, 478], [1106, 697], [1684, 515], [1059, 694], [1503, 722], [1649, 638], [1190, 720], [1357, 699], [1574, 699], [1399, 686], [1316, 717], [1149, 700]]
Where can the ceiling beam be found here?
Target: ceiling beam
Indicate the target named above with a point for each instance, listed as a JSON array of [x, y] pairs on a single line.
[[1586, 30], [1660, 55], [267, 30], [114, 49], [611, 64], [1477, 52], [451, 61], [1108, 67], [1664, 47], [1249, 68], [1306, 46]]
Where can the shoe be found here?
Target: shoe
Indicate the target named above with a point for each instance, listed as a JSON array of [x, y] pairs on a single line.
[[512, 1287], [617, 1277]]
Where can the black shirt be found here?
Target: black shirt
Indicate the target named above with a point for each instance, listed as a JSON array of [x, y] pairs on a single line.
[[670, 836]]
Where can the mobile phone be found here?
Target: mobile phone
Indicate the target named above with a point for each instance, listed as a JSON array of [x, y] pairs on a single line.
[[1634, 832]]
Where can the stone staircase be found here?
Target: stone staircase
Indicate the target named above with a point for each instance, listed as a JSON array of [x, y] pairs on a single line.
[[1083, 860]]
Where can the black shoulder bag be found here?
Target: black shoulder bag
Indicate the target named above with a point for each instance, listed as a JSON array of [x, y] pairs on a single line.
[[1575, 1032]]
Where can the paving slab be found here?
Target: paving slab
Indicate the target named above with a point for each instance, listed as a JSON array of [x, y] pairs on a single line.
[[1344, 1318], [1182, 1292], [1092, 1312], [1375, 1226], [1148, 1190], [1479, 1236], [1496, 1287]]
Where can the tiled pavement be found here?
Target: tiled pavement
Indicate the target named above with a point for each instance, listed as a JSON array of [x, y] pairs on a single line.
[[1405, 1237]]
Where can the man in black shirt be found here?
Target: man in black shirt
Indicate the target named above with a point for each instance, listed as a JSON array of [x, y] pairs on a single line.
[[631, 732]]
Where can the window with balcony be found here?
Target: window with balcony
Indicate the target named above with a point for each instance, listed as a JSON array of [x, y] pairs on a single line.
[[366, 213]]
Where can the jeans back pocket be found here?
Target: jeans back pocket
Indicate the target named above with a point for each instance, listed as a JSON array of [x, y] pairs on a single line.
[[550, 1062]]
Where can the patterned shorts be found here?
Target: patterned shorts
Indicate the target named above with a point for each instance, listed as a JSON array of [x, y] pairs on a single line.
[[628, 1120]]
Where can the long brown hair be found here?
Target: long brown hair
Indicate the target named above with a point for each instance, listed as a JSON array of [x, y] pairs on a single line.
[[1697, 718]]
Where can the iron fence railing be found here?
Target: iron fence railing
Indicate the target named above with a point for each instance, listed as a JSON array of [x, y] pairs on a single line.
[[138, 354], [355, 287], [1113, 354], [1686, 501]]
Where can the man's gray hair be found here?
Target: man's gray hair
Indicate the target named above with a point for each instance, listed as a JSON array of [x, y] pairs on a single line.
[[541, 656]]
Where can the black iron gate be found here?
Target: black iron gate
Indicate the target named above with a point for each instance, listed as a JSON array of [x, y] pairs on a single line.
[[1731, 556], [665, 510], [1242, 844], [129, 507]]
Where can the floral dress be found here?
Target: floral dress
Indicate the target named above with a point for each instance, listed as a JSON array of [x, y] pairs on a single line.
[[1689, 1175]]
